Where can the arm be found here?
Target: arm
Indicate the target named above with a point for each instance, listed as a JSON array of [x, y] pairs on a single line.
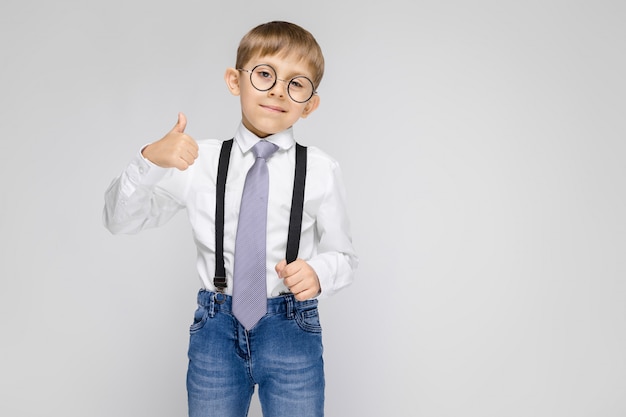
[[134, 201], [333, 267]]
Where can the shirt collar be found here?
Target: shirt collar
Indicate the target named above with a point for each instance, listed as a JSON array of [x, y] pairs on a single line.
[[246, 139]]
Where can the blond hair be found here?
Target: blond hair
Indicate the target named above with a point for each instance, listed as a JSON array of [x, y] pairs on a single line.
[[282, 38]]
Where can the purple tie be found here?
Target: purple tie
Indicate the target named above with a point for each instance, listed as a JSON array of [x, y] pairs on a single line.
[[249, 282]]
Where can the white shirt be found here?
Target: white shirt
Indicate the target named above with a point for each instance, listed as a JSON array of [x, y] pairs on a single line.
[[146, 195]]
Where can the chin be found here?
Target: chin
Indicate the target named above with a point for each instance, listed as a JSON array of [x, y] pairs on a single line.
[[266, 127], [260, 132]]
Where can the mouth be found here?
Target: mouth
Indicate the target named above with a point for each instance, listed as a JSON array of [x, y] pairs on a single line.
[[273, 108]]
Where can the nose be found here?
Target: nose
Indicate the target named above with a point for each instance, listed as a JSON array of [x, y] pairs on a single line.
[[279, 88]]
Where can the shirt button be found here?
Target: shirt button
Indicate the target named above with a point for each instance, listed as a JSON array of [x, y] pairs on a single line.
[[142, 170]]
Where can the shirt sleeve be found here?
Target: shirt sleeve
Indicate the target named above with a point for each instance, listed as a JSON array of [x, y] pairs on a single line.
[[336, 259], [134, 201]]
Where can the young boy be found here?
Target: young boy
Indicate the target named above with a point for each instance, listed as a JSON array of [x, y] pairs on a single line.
[[299, 234]]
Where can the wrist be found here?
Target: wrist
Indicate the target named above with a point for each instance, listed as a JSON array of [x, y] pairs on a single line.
[[144, 151]]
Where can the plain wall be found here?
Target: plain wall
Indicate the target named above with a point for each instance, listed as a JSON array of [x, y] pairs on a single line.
[[483, 148]]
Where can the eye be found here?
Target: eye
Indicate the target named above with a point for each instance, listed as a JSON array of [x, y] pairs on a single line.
[[295, 84], [264, 75]]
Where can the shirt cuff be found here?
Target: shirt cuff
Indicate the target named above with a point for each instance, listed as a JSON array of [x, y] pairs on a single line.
[[141, 173], [324, 275], [147, 173]]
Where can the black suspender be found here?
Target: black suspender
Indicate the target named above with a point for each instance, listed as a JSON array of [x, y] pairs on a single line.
[[297, 204], [295, 217], [222, 169]]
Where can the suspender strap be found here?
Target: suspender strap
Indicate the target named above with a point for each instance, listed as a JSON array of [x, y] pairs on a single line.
[[295, 217], [222, 170], [297, 205]]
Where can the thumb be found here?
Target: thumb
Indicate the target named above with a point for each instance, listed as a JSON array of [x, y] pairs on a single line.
[[280, 266], [181, 124]]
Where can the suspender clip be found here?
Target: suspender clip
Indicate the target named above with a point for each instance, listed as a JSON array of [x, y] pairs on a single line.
[[220, 284]]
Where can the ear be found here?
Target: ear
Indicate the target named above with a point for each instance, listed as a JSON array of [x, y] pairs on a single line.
[[232, 81], [310, 106]]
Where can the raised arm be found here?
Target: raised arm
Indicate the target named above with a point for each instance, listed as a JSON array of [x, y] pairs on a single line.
[[136, 200]]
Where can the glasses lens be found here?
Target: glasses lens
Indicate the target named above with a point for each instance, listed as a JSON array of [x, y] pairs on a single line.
[[300, 89], [263, 77]]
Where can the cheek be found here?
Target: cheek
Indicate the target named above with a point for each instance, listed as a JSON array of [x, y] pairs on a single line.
[[247, 103]]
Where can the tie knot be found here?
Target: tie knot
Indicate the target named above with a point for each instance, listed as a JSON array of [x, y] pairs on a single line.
[[264, 149]]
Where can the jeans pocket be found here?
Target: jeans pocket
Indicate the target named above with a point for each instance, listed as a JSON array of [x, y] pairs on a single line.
[[307, 317], [199, 319]]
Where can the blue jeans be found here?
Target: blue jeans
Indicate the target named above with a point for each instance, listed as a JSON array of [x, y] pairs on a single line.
[[282, 354]]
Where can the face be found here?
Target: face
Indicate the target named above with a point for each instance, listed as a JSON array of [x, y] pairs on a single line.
[[265, 113]]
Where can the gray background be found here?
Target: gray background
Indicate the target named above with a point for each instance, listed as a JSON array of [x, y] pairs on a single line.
[[483, 150]]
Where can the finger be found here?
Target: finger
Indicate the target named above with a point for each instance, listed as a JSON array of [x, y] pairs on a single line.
[[303, 290], [304, 295], [188, 158], [189, 153], [290, 282], [191, 156], [188, 142], [181, 164], [181, 124], [194, 150], [185, 161], [292, 268], [298, 287]]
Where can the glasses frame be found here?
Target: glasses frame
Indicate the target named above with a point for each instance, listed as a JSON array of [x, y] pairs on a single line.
[[276, 79]]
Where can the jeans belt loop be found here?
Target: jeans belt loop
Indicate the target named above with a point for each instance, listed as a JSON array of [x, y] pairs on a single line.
[[212, 306], [289, 301]]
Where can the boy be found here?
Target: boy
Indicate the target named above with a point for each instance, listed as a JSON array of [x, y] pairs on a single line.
[[299, 234]]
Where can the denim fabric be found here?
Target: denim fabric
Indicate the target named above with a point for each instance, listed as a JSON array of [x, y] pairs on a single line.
[[282, 354]]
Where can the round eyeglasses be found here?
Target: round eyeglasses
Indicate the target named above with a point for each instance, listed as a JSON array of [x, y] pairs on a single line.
[[263, 78]]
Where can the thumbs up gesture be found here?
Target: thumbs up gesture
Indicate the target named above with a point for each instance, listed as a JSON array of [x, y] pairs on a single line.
[[175, 150]]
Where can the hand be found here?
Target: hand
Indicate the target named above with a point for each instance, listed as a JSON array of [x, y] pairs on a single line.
[[300, 278], [174, 150]]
